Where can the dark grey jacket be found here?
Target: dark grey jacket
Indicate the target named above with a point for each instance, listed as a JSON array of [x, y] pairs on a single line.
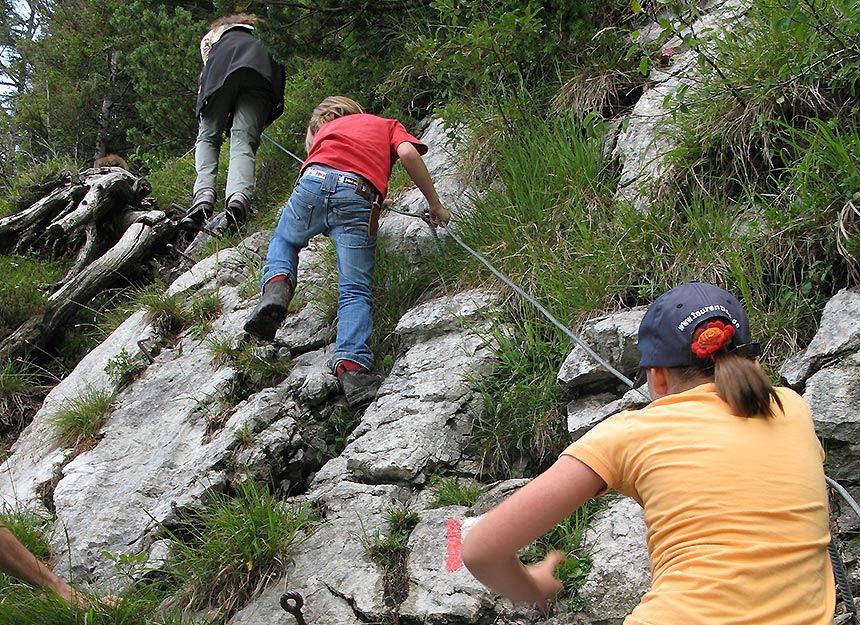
[[239, 49]]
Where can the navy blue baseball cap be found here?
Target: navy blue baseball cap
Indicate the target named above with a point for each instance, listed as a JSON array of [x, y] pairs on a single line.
[[668, 328]]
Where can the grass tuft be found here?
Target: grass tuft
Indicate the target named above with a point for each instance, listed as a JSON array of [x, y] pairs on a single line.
[[229, 551], [390, 553], [80, 418], [450, 491]]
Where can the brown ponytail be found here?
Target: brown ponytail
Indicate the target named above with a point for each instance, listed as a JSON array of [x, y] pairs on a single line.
[[744, 386], [740, 383]]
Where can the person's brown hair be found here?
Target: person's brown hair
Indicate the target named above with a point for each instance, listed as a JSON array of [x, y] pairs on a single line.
[[740, 383], [331, 108], [235, 18]]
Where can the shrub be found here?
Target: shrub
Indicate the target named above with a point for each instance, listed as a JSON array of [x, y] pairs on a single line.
[[124, 368]]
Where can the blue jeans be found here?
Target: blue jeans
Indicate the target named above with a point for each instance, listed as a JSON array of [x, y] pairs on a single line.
[[247, 96], [331, 207]]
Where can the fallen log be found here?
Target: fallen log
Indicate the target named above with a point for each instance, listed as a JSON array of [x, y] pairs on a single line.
[[14, 228], [110, 192], [123, 259]]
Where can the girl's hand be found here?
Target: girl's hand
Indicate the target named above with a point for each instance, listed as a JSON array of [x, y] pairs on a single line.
[[543, 575], [439, 215]]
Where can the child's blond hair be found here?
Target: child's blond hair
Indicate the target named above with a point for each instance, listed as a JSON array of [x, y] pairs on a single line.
[[331, 108]]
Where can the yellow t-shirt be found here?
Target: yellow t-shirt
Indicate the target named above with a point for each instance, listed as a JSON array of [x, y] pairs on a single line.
[[736, 509]]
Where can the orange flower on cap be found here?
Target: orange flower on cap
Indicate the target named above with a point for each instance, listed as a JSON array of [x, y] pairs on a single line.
[[712, 338]]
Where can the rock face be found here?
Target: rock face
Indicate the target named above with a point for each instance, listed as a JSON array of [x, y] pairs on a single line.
[[181, 431]]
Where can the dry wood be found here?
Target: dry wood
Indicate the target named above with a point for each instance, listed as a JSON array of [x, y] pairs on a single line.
[[110, 192], [124, 258]]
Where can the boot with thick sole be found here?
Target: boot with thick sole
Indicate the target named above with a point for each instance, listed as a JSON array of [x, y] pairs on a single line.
[[202, 205], [271, 311], [238, 209], [359, 387]]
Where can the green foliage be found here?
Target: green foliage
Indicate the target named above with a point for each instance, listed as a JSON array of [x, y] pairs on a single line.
[[80, 418], [450, 491], [33, 529], [521, 421], [164, 309], [357, 41], [256, 367], [124, 368], [824, 181], [76, 72], [794, 61], [540, 229], [24, 287], [165, 62], [173, 181], [490, 51], [204, 309], [339, 424], [21, 604], [230, 550], [27, 184], [174, 312]]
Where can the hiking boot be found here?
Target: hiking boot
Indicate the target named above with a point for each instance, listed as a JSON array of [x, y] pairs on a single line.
[[359, 387], [238, 208], [271, 311], [202, 205]]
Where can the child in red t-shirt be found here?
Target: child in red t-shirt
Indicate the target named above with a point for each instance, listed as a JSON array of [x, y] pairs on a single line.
[[342, 185]]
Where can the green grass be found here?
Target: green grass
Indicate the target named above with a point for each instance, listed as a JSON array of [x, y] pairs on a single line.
[[23, 605], [80, 418], [397, 287], [25, 281], [28, 185], [20, 391], [257, 366], [31, 528], [451, 491], [229, 551], [338, 425], [521, 419], [540, 228]]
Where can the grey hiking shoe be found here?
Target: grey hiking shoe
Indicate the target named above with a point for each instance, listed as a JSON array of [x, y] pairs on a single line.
[[359, 387], [271, 311]]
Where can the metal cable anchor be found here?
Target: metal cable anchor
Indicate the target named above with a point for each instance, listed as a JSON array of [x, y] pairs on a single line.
[[292, 602]]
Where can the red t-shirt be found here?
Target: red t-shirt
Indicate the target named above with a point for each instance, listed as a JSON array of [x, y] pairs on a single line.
[[363, 144]]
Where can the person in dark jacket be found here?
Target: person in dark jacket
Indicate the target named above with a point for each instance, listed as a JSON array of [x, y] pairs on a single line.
[[241, 90]]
